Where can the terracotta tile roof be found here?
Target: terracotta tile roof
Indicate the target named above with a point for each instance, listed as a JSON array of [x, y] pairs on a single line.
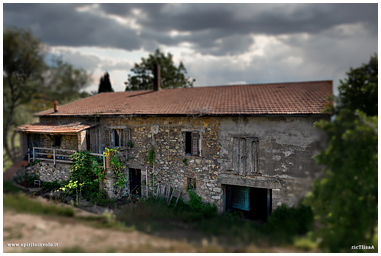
[[253, 99], [55, 127]]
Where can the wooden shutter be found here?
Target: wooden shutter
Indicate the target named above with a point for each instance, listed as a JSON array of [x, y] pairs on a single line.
[[255, 155], [235, 155], [127, 138], [195, 139], [107, 138], [249, 156], [242, 154]]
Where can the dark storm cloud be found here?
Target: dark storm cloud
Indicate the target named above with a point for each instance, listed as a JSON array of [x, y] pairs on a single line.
[[216, 29], [256, 18], [61, 24], [213, 26]]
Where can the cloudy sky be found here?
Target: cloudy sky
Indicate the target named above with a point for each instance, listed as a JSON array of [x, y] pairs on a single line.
[[219, 44]]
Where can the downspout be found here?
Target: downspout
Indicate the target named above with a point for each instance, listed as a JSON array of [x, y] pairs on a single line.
[[146, 176], [153, 176], [147, 181]]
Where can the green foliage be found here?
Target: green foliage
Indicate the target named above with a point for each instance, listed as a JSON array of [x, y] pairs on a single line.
[[171, 76], [64, 82], [101, 199], [292, 220], [197, 208], [22, 66], [26, 179], [117, 166], [130, 144], [105, 84], [151, 157], [360, 90], [86, 174], [31, 85], [34, 162], [21, 203], [154, 216], [51, 186], [185, 161], [345, 199], [8, 187]]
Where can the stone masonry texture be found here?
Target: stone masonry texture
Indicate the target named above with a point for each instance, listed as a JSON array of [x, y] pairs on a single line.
[[286, 146]]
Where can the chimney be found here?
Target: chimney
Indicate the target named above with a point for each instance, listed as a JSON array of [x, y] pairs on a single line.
[[55, 106], [156, 77]]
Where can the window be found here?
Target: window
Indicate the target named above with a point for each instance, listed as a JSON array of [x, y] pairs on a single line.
[[57, 140], [245, 155], [191, 183], [117, 137], [192, 143]]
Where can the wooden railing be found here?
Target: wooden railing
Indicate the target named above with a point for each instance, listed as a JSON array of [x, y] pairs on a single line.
[[56, 155]]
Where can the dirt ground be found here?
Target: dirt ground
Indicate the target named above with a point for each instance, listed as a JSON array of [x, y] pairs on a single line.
[[68, 234]]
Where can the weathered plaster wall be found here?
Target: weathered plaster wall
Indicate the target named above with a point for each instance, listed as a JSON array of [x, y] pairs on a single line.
[[286, 148]]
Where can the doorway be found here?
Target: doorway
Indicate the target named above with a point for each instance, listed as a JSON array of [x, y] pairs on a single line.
[[135, 181], [252, 203]]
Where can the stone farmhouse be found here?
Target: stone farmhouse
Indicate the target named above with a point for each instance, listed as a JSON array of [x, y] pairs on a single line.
[[243, 147]]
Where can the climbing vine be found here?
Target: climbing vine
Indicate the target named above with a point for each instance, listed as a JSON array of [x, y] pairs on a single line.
[[151, 157], [117, 166]]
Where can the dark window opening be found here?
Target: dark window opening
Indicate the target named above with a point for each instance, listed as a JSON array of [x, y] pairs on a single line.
[[252, 203], [135, 181], [57, 141], [88, 147], [192, 143], [188, 143], [191, 183], [116, 138]]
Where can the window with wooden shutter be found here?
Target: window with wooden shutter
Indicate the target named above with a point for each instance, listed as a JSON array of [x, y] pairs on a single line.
[[127, 136], [242, 157], [192, 143], [107, 138], [245, 155], [117, 137], [195, 139]]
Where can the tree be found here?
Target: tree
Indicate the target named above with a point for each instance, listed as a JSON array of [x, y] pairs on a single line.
[[171, 76], [62, 82], [30, 85], [344, 200], [22, 66], [360, 89], [105, 84]]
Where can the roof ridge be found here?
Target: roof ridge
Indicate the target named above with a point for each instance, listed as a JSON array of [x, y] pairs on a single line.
[[256, 98]]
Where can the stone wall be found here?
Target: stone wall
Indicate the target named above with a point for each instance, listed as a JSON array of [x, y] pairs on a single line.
[[284, 147], [166, 137], [67, 141], [48, 173]]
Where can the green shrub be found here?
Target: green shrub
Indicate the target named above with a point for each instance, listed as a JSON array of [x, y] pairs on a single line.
[[292, 220], [101, 198], [8, 187], [27, 178], [196, 208], [51, 186]]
